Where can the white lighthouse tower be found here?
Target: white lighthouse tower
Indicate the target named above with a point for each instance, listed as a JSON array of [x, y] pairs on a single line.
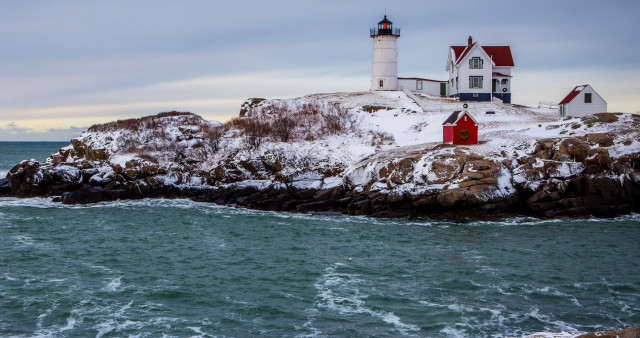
[[384, 70]]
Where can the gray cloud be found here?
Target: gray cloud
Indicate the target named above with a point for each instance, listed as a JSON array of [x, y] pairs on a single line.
[[75, 53], [14, 133]]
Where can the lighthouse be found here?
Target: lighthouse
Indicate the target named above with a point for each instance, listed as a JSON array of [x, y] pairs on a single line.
[[384, 70]]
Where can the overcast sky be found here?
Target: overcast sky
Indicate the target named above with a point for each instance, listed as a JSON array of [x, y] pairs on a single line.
[[65, 65]]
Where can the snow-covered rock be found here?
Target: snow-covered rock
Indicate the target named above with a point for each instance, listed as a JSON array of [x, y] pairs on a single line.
[[372, 153]]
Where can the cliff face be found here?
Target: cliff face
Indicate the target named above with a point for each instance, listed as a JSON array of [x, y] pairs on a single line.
[[359, 154]]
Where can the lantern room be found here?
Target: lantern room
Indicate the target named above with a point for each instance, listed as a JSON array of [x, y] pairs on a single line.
[[385, 27]]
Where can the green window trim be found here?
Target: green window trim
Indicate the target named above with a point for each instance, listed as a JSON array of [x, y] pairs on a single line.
[[587, 97], [475, 81], [475, 63]]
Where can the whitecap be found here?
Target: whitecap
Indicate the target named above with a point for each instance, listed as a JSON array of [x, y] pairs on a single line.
[[555, 334], [25, 240], [113, 284], [71, 322], [198, 331], [340, 292], [450, 331]]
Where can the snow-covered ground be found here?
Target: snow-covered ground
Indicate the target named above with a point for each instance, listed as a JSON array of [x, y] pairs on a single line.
[[505, 126], [379, 128]]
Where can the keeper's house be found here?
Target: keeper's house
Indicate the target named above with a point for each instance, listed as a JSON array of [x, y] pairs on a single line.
[[582, 101], [478, 73]]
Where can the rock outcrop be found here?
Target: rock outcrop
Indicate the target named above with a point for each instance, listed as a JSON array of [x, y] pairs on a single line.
[[632, 332], [179, 155]]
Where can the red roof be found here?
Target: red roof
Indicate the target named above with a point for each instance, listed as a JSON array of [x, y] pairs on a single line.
[[453, 119], [459, 52], [501, 55], [572, 94], [501, 75]]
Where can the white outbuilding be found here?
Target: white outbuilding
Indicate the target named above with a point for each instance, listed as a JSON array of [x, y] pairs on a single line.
[[582, 101]]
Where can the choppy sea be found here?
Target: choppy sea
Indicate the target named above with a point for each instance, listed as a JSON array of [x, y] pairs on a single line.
[[179, 268]]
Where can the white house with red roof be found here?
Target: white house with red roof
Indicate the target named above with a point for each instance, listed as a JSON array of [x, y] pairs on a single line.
[[479, 73], [582, 101]]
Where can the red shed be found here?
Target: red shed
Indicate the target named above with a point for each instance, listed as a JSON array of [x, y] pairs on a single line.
[[460, 128]]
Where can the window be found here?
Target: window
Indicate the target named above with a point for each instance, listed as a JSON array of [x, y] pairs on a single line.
[[419, 85], [381, 83], [456, 82], [475, 81], [587, 97], [504, 81], [475, 63]]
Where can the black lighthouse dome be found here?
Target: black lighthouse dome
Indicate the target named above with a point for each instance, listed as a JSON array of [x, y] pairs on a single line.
[[385, 27]]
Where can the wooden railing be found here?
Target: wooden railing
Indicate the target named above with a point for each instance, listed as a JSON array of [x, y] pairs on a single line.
[[547, 104]]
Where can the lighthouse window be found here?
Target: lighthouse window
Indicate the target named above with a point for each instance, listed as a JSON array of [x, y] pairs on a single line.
[[475, 63], [419, 85], [475, 81], [381, 83], [504, 81]]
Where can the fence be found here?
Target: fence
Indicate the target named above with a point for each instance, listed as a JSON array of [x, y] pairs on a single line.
[[547, 104]]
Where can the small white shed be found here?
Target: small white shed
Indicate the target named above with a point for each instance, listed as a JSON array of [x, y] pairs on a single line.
[[582, 101]]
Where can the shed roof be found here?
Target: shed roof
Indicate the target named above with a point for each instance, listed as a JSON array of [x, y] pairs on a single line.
[[457, 115], [573, 94]]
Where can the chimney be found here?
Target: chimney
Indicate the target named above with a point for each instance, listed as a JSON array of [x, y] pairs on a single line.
[[470, 42]]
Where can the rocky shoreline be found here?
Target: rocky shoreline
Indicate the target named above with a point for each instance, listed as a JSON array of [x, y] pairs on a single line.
[[330, 154], [544, 183]]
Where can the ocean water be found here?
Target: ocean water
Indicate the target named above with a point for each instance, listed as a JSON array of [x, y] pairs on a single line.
[[11, 153], [179, 268]]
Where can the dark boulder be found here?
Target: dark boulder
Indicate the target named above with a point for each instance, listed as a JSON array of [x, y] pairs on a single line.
[[5, 189], [85, 195]]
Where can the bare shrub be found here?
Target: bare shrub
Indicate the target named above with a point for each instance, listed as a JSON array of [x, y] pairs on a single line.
[[212, 135], [148, 157], [254, 130], [135, 124], [378, 138], [282, 121], [283, 127]]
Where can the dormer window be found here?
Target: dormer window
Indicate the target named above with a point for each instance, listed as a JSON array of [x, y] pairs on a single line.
[[475, 63]]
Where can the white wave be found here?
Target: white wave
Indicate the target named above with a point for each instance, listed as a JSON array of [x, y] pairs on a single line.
[[454, 332], [113, 285], [3, 173], [198, 331], [71, 322], [36, 202], [113, 325], [554, 334], [25, 240], [554, 324], [55, 330], [340, 292]]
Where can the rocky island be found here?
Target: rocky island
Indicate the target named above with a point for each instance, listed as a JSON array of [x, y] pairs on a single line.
[[377, 154]]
